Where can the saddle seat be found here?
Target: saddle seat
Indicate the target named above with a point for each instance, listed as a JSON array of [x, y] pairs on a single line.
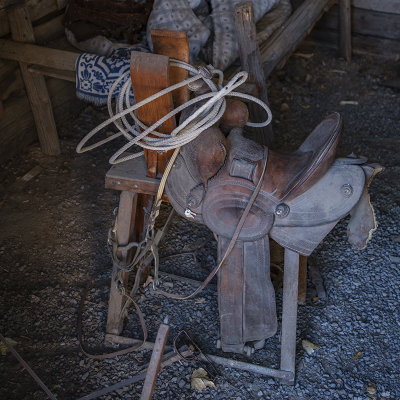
[[289, 175]]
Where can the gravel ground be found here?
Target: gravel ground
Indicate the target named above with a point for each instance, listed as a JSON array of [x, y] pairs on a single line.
[[54, 237]]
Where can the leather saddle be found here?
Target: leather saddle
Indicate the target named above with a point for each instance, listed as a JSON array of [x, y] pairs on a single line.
[[303, 195]]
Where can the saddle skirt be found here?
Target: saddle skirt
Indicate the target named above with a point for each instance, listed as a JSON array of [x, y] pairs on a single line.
[[302, 197]]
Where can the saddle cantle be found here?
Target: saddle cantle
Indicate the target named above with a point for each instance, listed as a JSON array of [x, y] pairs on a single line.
[[302, 197]]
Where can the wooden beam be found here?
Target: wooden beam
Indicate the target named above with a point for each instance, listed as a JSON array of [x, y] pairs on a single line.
[[35, 85], [345, 29], [280, 46], [54, 73], [251, 62], [39, 55]]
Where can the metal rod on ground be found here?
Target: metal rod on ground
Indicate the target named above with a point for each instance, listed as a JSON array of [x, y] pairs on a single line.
[[28, 368], [155, 362], [258, 369]]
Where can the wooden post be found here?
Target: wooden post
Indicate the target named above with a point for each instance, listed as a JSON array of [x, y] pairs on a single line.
[[280, 46], [289, 313], [22, 31], [155, 363], [125, 233], [302, 291], [345, 29], [251, 62]]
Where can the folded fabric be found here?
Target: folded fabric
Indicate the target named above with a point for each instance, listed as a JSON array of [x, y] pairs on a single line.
[[96, 74], [177, 15], [225, 45]]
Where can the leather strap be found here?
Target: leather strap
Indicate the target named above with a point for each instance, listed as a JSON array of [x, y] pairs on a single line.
[[231, 243], [85, 350]]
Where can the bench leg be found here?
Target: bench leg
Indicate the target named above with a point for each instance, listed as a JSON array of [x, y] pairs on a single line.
[[125, 233], [289, 313], [302, 280]]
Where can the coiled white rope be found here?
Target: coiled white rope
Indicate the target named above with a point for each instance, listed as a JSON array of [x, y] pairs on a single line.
[[204, 117]]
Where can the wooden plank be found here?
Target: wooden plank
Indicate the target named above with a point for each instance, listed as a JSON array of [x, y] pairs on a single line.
[[131, 176], [173, 44], [39, 55], [387, 6], [150, 74], [365, 22], [289, 312], [250, 60], [49, 30], [302, 287], [35, 86], [345, 29], [279, 47], [55, 73], [361, 44], [155, 363], [124, 234], [37, 9]]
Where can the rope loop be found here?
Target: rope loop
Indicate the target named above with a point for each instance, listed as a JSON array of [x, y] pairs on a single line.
[[147, 137]]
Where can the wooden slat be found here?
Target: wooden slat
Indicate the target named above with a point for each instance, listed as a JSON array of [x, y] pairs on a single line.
[[35, 86], [366, 22], [149, 74], [125, 233], [250, 60], [55, 73], [387, 6], [155, 363], [361, 44], [39, 55], [131, 176], [345, 29], [173, 44], [37, 9], [285, 41]]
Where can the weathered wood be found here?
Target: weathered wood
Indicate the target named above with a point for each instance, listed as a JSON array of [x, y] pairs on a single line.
[[124, 234], [387, 6], [280, 46], [173, 44], [39, 55], [365, 22], [251, 62], [54, 73], [36, 88], [131, 176], [361, 44], [150, 74], [16, 132], [37, 9], [302, 289], [289, 312], [345, 29], [49, 30], [155, 362]]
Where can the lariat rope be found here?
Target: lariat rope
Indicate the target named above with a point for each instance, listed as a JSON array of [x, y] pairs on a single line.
[[204, 117]]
